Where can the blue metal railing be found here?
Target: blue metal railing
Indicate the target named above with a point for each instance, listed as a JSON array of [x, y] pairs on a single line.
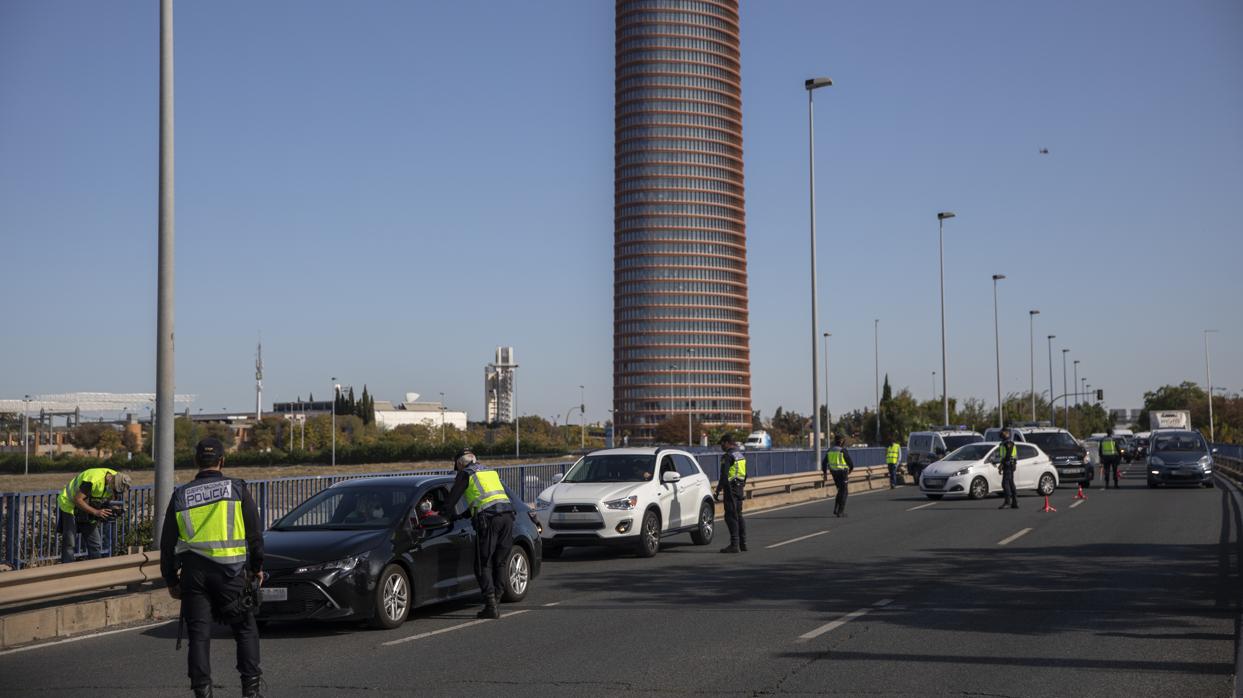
[[28, 520]]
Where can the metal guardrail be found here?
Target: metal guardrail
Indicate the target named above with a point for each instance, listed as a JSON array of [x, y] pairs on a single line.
[[28, 520]]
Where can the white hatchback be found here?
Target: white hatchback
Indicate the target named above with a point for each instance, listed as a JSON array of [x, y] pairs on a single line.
[[972, 471], [627, 496]]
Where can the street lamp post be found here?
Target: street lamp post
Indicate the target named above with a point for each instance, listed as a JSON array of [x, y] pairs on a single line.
[[1076, 365], [1001, 418], [828, 418], [336, 396], [582, 414], [165, 379], [945, 395], [442, 418], [811, 85], [513, 402], [1208, 375], [1065, 396], [26, 431], [876, 371], [690, 402], [1052, 409], [1031, 354], [934, 385]]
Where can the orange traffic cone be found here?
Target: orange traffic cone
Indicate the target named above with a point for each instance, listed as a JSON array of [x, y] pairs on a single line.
[[1047, 507], [1081, 495]]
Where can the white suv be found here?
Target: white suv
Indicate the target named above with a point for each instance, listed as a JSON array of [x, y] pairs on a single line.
[[972, 471], [627, 496]]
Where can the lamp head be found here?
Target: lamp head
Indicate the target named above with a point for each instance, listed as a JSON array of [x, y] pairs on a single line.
[[998, 277], [816, 83], [945, 214]]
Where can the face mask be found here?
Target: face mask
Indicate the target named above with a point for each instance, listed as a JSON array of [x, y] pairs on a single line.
[[425, 507], [377, 513]]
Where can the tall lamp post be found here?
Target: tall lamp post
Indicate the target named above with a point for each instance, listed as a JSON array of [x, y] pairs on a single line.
[[1001, 417], [26, 431], [811, 85], [582, 414], [934, 385], [1052, 409], [336, 396], [442, 418], [1065, 395], [690, 402], [513, 401], [165, 380], [1208, 376], [1031, 354], [876, 370], [1076, 384], [945, 395], [828, 418]]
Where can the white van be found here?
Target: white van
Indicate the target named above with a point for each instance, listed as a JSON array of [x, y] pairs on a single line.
[[758, 440]]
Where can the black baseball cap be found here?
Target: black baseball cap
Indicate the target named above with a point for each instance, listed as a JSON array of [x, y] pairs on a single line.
[[208, 451]]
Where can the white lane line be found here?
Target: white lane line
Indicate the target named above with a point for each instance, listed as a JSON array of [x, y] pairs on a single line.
[[924, 506], [550, 605], [451, 628], [85, 637], [795, 540], [1077, 503], [834, 625], [1011, 539]]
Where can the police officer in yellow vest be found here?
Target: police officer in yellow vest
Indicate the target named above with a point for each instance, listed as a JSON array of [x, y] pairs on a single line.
[[892, 455], [1009, 461], [731, 488], [492, 516], [838, 464], [84, 506], [1110, 458], [211, 557]]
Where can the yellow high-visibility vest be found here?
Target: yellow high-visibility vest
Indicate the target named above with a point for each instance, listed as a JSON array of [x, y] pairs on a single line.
[[1109, 447], [484, 490], [99, 488], [837, 460], [737, 469], [209, 520], [893, 454]]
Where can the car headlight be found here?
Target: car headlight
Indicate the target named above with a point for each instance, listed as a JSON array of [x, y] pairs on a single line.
[[623, 504], [341, 566], [1153, 460], [1206, 462], [541, 504], [964, 471]]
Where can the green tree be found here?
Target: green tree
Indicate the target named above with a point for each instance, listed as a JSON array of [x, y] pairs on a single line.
[[86, 436], [672, 430], [109, 440]]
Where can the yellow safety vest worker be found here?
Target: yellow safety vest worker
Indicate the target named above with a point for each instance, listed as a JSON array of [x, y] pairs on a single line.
[[99, 488], [738, 468], [1109, 447], [484, 490], [837, 460], [209, 520], [893, 454], [1013, 452]]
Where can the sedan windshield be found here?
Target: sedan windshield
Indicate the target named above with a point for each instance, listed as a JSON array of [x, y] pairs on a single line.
[[953, 442], [633, 467], [1052, 440], [971, 452], [1186, 441], [348, 508]]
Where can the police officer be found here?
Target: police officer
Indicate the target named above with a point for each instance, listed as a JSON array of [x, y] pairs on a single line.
[[1110, 458], [731, 488], [1007, 464], [492, 516], [211, 556], [892, 454], [83, 506], [838, 464]]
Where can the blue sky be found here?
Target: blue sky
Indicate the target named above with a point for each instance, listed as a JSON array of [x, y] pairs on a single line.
[[388, 190]]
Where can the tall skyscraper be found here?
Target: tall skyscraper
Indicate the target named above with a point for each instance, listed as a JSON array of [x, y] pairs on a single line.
[[680, 322], [498, 387]]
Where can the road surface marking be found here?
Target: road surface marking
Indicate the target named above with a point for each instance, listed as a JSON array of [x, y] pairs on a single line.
[[86, 637], [1077, 503], [834, 625], [554, 603], [451, 628], [817, 500], [1011, 539], [795, 540], [923, 506]]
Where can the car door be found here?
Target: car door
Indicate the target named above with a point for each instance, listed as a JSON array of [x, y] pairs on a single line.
[[461, 537], [692, 488], [437, 555], [991, 471], [1030, 467], [671, 508]]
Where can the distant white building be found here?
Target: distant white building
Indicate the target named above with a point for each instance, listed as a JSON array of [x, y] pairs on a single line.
[[498, 386], [432, 414]]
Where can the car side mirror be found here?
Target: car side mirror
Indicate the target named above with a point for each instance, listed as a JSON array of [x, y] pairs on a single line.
[[1214, 450], [670, 476], [940, 451], [427, 526], [558, 477]]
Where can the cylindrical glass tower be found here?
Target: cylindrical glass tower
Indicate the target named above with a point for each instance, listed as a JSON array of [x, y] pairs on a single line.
[[680, 326]]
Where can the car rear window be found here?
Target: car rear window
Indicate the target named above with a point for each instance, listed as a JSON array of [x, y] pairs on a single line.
[[960, 440]]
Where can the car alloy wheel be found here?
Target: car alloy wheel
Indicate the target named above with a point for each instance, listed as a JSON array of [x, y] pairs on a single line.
[[1046, 485], [979, 488], [649, 534], [702, 535], [396, 597], [519, 572]]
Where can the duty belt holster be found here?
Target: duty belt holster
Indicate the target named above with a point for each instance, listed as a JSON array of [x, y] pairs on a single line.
[[242, 605]]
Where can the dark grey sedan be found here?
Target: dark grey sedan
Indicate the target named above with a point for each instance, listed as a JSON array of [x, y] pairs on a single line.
[[1177, 457]]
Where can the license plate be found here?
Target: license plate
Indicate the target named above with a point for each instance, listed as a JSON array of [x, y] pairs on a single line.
[[934, 482], [274, 593], [576, 516], [1072, 471]]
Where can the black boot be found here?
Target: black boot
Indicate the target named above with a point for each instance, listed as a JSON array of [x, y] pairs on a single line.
[[203, 691], [742, 547], [489, 609], [1005, 505], [251, 687], [731, 548]]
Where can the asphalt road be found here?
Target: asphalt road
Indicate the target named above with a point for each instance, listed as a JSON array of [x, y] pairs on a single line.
[[1131, 592]]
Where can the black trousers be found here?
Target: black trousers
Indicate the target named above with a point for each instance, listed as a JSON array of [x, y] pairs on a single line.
[[1007, 487], [731, 497], [1109, 465], [205, 586], [494, 536], [841, 482]]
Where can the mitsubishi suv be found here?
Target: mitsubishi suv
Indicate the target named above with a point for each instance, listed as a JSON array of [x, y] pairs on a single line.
[[630, 497]]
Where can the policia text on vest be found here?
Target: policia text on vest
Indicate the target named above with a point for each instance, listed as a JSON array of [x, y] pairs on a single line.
[[211, 557]]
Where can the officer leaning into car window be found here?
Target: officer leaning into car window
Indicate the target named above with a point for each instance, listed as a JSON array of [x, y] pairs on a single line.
[[731, 488], [1110, 458], [1006, 466], [211, 556], [838, 464], [492, 516], [84, 506], [892, 455]]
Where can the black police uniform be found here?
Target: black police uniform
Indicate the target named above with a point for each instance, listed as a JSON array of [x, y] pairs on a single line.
[[211, 590], [1109, 464], [1008, 465], [494, 536], [841, 479], [732, 493]]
